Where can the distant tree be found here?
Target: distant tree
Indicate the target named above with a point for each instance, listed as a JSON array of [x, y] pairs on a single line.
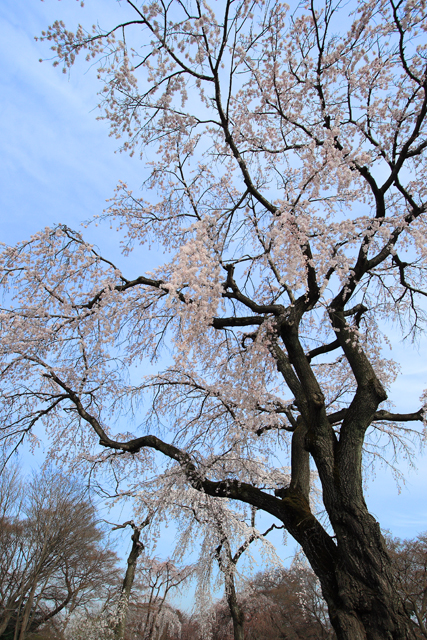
[[287, 184], [151, 616], [227, 562], [223, 535], [128, 581], [53, 558], [410, 561], [287, 604]]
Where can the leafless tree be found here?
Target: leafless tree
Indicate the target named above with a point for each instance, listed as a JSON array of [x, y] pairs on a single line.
[[410, 560], [53, 558]]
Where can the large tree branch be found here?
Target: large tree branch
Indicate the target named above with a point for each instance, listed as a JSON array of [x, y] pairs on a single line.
[[338, 416], [223, 323], [324, 348], [293, 510], [236, 294]]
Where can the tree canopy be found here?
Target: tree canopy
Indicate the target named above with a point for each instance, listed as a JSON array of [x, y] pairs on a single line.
[[287, 188]]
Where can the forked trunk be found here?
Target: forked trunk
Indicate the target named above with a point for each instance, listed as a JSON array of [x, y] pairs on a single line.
[[353, 566]]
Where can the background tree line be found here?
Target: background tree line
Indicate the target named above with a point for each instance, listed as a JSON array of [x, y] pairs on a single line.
[[54, 557], [287, 603], [60, 579]]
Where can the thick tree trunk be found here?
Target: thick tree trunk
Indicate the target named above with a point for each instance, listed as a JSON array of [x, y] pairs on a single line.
[[353, 567], [366, 605], [355, 573]]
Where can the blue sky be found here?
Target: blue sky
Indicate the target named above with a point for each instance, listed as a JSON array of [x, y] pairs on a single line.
[[59, 165]]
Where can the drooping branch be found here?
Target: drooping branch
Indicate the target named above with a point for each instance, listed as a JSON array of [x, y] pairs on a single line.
[[401, 266], [293, 511]]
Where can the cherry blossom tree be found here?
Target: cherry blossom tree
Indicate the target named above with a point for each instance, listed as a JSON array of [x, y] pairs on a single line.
[[224, 537], [132, 560], [287, 185], [151, 616], [284, 603], [227, 562]]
